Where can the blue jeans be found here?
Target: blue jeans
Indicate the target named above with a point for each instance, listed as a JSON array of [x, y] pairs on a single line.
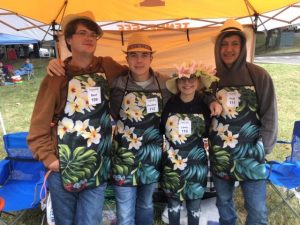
[[21, 72], [75, 208], [193, 211], [134, 204], [254, 201]]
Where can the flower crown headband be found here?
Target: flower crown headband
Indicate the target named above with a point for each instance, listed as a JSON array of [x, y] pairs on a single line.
[[193, 68], [205, 72]]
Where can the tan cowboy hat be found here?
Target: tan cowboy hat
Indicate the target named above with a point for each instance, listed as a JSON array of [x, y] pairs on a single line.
[[171, 85], [88, 15], [138, 42], [230, 25]]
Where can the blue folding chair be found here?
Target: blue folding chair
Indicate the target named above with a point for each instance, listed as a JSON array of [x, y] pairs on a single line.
[[21, 177], [287, 174]]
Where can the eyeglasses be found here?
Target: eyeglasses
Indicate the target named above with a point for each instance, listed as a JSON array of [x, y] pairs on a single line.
[[85, 34]]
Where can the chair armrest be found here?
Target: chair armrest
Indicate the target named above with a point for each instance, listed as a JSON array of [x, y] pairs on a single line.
[[4, 170]]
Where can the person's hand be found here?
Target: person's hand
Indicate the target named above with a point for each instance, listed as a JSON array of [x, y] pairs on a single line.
[[215, 108], [56, 67], [54, 166]]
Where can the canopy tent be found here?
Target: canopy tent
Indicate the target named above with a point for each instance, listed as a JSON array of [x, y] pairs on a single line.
[[36, 18], [180, 30], [8, 39]]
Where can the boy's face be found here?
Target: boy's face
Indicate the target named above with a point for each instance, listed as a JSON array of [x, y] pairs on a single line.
[[230, 49], [139, 63], [83, 41]]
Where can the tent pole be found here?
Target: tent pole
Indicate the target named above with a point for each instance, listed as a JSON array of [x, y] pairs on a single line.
[[2, 124], [55, 38], [254, 27]]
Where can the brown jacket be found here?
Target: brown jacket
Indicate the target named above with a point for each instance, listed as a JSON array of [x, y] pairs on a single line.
[[50, 102]]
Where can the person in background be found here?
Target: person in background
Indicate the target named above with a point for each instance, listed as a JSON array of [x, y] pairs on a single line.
[[26, 68], [2, 74], [70, 130], [185, 124], [246, 130]]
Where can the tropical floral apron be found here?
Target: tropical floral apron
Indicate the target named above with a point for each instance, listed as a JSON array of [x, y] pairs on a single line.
[[137, 149], [84, 133], [185, 163], [237, 150]]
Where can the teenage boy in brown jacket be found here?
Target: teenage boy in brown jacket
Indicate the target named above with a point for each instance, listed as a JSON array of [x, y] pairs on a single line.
[[71, 129]]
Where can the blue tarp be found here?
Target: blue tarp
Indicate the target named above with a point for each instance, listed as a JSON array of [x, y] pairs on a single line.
[[8, 39]]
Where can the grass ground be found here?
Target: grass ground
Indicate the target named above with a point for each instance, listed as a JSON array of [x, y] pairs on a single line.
[[16, 104]]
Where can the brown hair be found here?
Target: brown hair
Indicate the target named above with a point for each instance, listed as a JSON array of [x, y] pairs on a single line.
[[71, 27]]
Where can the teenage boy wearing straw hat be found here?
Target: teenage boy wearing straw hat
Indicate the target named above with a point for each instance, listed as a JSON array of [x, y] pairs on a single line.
[[137, 100], [70, 129], [246, 130]]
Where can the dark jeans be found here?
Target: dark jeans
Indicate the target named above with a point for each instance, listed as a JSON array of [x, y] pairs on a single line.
[[193, 211]]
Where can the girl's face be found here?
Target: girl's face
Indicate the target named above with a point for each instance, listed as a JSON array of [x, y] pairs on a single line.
[[188, 86]]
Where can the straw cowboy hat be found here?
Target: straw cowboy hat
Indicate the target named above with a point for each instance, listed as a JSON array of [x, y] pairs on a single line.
[[88, 15], [138, 42], [206, 75], [230, 25]]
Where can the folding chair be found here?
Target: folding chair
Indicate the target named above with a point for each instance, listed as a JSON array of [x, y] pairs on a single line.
[[21, 177], [287, 174], [30, 74]]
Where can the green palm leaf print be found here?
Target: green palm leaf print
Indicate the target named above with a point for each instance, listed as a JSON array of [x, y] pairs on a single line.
[[194, 190], [244, 169], [121, 160], [219, 159], [171, 180], [77, 165]]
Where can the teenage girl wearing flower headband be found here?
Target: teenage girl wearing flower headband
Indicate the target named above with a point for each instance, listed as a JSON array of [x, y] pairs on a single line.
[[185, 122]]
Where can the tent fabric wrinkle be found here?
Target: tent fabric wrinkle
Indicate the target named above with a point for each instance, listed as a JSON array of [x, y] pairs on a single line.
[[125, 10]]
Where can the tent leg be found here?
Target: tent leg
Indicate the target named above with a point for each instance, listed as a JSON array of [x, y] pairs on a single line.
[[18, 218], [284, 199]]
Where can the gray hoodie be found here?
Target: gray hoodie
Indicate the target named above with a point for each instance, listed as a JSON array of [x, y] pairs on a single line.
[[243, 73]]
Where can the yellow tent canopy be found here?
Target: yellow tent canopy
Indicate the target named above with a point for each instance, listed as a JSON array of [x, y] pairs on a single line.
[[47, 11]]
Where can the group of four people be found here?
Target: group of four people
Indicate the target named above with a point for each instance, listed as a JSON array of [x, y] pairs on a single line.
[[71, 129]]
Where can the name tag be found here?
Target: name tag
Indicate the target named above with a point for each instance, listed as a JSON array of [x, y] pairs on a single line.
[[232, 99], [185, 127], [152, 105], [94, 95]]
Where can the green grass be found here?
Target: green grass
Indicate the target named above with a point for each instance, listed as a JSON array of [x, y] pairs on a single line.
[[16, 104]]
